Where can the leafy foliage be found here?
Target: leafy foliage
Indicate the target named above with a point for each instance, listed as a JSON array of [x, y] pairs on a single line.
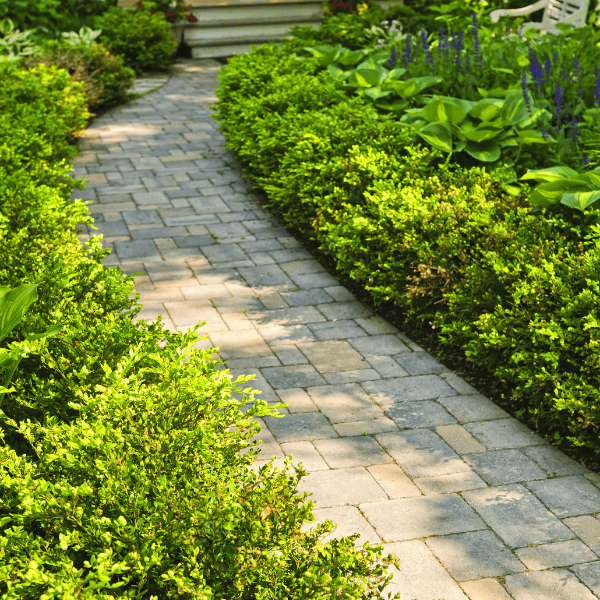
[[122, 466], [144, 40], [106, 80], [441, 241]]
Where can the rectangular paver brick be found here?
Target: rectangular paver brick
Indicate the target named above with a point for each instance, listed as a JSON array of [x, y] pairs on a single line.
[[446, 484], [467, 409], [558, 584], [504, 466], [333, 356], [424, 516], [344, 403], [568, 496], [411, 415], [408, 389], [461, 441], [421, 453], [241, 343], [286, 316], [474, 555], [560, 554], [394, 481], [517, 516], [504, 433]]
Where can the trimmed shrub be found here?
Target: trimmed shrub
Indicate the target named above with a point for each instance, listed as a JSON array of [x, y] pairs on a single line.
[[106, 80], [144, 40]]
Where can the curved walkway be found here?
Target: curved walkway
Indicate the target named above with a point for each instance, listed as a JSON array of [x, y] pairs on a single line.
[[397, 448]]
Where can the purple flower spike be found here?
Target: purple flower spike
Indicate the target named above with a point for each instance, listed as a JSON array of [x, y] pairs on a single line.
[[558, 100], [393, 58], [586, 162], [574, 130], [597, 88], [429, 58]]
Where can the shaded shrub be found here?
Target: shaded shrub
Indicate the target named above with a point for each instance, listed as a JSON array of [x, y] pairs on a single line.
[[104, 77], [144, 40]]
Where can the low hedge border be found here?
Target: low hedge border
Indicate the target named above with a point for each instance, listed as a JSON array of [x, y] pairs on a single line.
[[119, 474], [447, 248]]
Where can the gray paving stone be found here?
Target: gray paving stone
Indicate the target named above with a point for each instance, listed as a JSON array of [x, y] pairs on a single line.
[[446, 484], [286, 316], [589, 574], [333, 356], [208, 204], [316, 280], [348, 452], [136, 248], [568, 496], [344, 403], [306, 297], [266, 277], [411, 518], [157, 232], [408, 389], [194, 241], [290, 355], [141, 217], [285, 335], [341, 487], [504, 466], [379, 345], [472, 408], [554, 461], [505, 433], [237, 304], [419, 363], [558, 584], [560, 554], [412, 415], [421, 453], [220, 253], [474, 555], [114, 229], [300, 427], [145, 198], [296, 376], [517, 516], [335, 330]]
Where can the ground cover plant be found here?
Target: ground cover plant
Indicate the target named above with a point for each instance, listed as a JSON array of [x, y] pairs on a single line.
[[121, 473], [431, 246]]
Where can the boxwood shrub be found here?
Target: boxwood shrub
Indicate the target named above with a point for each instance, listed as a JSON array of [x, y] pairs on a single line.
[[122, 466], [517, 293]]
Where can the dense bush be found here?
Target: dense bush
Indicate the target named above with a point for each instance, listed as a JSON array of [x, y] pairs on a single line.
[[144, 40], [106, 80], [448, 245], [121, 465]]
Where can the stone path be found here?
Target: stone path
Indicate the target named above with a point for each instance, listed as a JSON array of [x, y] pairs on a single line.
[[397, 448]]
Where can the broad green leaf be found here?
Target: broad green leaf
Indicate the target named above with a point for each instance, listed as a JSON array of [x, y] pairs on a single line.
[[550, 174], [444, 110], [366, 78], [580, 200], [13, 303], [396, 106], [479, 134], [529, 136], [487, 151], [439, 135], [514, 110], [376, 93], [412, 87], [350, 58], [486, 110]]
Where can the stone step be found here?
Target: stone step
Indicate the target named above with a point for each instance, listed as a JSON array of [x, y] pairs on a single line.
[[228, 27]]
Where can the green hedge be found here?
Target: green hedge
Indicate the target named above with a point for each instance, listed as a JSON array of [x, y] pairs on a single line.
[[517, 293], [120, 467]]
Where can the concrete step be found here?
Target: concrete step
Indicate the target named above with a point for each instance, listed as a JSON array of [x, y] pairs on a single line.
[[228, 27]]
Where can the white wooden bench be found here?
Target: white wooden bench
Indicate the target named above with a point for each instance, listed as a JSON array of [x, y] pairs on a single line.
[[555, 11]]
